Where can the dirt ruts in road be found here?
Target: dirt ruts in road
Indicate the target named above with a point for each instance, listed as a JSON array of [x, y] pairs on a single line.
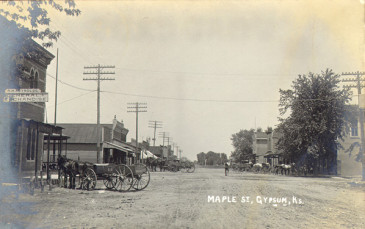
[[181, 200]]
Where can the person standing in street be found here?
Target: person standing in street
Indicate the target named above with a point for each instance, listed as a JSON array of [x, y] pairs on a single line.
[[226, 168]]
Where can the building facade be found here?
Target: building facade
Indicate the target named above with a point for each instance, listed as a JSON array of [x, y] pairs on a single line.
[[82, 142], [265, 149], [23, 67]]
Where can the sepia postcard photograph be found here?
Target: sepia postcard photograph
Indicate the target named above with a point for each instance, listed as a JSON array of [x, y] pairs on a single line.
[[167, 114]]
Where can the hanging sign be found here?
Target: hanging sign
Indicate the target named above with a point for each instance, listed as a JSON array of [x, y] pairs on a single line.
[[25, 95]]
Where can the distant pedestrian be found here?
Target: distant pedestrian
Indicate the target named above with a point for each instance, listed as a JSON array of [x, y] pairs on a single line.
[[226, 169]]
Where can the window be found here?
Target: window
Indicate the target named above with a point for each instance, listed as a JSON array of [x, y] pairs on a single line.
[[354, 130], [33, 79]]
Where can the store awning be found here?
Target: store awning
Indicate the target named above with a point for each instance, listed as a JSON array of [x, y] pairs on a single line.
[[118, 147], [147, 154]]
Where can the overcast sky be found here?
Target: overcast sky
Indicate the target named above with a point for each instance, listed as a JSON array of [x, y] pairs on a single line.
[[206, 69]]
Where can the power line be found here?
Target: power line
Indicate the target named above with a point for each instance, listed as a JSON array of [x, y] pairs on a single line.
[[183, 99], [73, 98], [70, 85]]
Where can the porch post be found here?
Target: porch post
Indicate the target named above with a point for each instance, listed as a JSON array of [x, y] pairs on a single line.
[[36, 156], [21, 155]]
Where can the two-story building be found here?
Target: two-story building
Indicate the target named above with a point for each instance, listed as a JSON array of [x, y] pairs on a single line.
[[23, 67], [264, 147]]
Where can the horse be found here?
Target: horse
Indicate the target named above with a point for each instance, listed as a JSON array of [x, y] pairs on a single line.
[[286, 169], [69, 168], [278, 168], [266, 167], [256, 168], [152, 163]]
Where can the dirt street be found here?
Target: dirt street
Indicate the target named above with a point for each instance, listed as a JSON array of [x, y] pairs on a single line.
[[203, 199]]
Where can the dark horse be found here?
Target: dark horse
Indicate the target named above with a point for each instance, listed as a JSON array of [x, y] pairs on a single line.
[[68, 168], [152, 163]]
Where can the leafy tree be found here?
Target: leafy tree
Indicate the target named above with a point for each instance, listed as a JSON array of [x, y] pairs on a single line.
[[211, 158], [242, 143], [316, 119], [32, 17], [201, 158]]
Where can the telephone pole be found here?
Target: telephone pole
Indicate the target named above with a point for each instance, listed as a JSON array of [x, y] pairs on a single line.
[[136, 108], [177, 152], [164, 136], [155, 125], [55, 102], [168, 146], [98, 70], [358, 80]]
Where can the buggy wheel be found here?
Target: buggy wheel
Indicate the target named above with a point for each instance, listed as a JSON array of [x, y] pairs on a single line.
[[110, 182], [124, 178], [142, 180], [184, 169], [88, 180], [191, 168]]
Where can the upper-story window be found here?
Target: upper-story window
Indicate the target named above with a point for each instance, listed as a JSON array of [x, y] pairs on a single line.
[[33, 79], [354, 130]]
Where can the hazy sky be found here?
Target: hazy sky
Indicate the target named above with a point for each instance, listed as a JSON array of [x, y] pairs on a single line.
[[206, 69]]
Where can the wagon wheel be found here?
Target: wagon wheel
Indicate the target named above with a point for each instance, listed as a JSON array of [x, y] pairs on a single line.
[[174, 168], [88, 180], [184, 168], [124, 178], [110, 181], [142, 180], [191, 168]]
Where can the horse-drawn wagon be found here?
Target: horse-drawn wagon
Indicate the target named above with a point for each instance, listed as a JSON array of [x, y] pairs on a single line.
[[177, 165], [119, 177]]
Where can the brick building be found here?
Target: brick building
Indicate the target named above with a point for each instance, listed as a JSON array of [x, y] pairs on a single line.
[[23, 66]]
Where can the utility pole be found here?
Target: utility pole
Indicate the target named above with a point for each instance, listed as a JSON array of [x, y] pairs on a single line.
[[168, 146], [98, 72], [55, 103], [358, 80], [155, 125], [177, 152], [173, 148], [180, 151], [164, 136], [136, 108]]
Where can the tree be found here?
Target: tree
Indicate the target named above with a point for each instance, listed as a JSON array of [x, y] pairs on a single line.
[[242, 143], [316, 121], [32, 17], [201, 158]]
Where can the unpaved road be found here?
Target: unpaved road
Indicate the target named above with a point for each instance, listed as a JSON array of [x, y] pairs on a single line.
[[180, 200]]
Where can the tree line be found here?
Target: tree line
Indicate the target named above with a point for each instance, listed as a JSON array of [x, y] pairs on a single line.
[[212, 158]]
